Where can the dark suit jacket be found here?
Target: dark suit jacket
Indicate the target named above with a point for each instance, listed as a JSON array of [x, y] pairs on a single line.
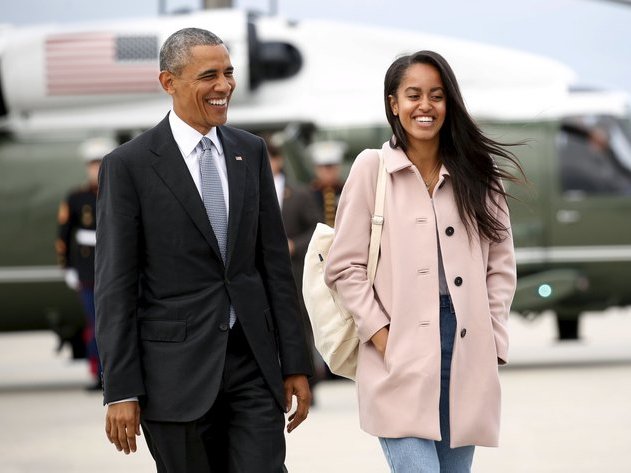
[[162, 291], [300, 216]]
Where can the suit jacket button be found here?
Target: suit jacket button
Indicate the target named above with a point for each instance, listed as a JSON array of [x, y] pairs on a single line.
[[449, 231], [458, 281], [224, 327], [463, 332]]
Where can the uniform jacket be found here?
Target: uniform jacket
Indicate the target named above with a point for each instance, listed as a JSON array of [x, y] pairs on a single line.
[[162, 290], [399, 393], [327, 199], [76, 233]]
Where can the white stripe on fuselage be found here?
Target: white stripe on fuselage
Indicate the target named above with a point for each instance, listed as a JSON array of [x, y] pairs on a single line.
[[573, 254], [529, 255], [11, 274]]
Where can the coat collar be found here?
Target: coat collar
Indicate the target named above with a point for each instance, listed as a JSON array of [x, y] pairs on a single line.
[[395, 160]]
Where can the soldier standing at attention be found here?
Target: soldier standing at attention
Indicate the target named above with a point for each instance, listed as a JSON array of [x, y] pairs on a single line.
[[327, 186], [76, 238]]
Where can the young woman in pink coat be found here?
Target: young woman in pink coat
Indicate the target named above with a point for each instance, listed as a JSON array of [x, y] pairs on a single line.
[[433, 326]]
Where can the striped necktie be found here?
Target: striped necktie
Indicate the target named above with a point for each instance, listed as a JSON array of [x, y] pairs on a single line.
[[212, 195]]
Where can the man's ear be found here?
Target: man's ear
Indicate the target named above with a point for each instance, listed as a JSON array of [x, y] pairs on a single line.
[[166, 79]]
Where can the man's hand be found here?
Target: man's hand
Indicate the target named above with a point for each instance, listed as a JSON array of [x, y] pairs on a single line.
[[122, 424], [297, 385]]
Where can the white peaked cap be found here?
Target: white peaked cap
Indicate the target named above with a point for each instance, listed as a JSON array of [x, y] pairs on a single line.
[[327, 152], [94, 149]]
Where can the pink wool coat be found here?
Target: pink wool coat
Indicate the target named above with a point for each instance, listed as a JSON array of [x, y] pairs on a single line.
[[399, 393]]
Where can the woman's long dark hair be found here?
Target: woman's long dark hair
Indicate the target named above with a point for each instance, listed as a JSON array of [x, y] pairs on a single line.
[[464, 150]]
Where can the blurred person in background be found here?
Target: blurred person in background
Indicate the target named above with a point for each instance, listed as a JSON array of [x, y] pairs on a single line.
[[300, 214], [76, 238], [327, 157]]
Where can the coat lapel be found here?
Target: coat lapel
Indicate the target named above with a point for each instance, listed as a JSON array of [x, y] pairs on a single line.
[[170, 166], [236, 166]]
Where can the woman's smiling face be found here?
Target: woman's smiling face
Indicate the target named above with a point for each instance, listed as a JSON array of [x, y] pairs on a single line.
[[420, 103]]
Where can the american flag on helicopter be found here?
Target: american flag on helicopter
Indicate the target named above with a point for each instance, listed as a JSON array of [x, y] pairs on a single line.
[[101, 63]]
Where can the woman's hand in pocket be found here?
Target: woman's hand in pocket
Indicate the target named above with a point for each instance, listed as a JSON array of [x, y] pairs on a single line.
[[380, 339]]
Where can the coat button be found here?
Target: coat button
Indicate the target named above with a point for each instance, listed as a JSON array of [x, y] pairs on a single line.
[[224, 327], [463, 332], [449, 231], [458, 281]]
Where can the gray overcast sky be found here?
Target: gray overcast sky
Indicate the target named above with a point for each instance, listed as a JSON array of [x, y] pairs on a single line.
[[593, 37]]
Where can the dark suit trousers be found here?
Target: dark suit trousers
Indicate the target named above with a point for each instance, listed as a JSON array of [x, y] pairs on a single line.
[[241, 433]]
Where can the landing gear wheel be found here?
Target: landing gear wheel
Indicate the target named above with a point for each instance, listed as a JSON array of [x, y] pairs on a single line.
[[78, 346], [567, 327]]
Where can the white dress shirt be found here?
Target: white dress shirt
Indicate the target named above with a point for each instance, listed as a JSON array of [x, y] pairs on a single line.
[[188, 141], [279, 183]]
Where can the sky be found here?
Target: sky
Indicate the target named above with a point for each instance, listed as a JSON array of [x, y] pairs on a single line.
[[593, 37]]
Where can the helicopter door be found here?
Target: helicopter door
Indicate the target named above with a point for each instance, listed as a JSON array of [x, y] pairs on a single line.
[[594, 183], [591, 224]]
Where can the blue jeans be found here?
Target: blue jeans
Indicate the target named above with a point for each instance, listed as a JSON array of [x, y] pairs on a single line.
[[415, 455]]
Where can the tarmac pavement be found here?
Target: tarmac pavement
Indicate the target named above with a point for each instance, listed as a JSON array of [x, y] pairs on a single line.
[[566, 409]]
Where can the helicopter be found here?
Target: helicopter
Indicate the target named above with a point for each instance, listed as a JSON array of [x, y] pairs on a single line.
[[312, 80]]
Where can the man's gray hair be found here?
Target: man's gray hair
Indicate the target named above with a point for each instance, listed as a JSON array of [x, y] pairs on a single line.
[[176, 50]]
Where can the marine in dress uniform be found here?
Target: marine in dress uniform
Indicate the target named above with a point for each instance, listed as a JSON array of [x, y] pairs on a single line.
[[327, 186], [76, 238]]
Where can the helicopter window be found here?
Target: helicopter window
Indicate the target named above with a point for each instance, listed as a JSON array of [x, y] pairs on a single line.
[[594, 157], [621, 143]]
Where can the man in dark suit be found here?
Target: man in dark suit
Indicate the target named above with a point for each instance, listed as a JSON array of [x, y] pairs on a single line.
[[198, 324], [301, 214], [299, 209]]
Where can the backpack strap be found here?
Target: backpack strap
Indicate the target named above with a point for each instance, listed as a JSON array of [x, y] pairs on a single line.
[[377, 220]]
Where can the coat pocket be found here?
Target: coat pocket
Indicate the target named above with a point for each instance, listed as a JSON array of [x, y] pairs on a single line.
[[163, 330]]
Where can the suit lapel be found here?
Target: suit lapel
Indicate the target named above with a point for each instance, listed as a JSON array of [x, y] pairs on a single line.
[[170, 166], [236, 166]]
